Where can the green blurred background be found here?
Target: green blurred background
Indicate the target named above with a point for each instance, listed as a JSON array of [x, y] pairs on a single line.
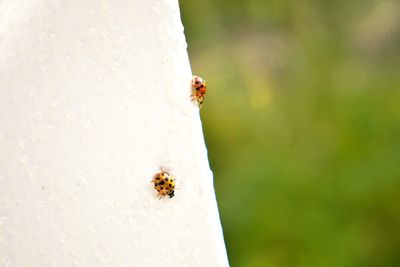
[[302, 124]]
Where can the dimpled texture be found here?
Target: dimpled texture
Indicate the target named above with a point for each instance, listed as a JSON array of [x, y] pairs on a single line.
[[94, 99]]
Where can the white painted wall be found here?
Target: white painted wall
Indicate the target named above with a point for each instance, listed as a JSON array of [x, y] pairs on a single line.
[[94, 99]]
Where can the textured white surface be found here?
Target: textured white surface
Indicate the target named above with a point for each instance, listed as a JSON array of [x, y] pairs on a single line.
[[94, 99]]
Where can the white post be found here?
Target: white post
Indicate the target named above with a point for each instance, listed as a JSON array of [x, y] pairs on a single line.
[[94, 100]]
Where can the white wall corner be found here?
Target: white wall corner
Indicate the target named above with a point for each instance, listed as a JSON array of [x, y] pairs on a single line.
[[94, 99]]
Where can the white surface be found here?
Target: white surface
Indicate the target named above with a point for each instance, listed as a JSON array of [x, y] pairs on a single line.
[[94, 99]]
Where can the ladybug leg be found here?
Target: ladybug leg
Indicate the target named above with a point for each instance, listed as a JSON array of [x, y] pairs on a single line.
[[164, 170]]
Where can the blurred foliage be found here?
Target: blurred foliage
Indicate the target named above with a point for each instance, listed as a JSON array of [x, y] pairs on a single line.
[[302, 124]]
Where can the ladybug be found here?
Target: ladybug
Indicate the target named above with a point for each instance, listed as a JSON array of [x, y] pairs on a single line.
[[200, 88], [164, 183]]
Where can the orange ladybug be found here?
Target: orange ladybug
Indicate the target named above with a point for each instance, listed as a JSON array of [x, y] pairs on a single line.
[[200, 88], [164, 184]]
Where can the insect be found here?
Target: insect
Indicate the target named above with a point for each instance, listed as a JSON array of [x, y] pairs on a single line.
[[164, 183], [200, 88]]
